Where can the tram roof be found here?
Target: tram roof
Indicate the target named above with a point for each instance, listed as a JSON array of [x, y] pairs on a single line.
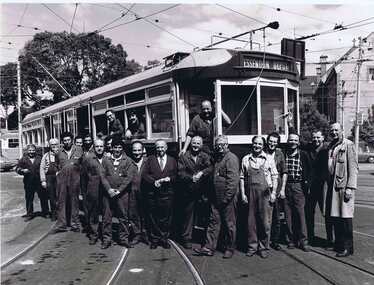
[[201, 58]]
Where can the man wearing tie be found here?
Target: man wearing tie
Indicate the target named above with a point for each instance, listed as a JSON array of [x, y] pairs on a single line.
[[159, 176]]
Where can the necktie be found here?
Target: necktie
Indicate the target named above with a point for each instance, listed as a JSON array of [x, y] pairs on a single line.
[[162, 163]]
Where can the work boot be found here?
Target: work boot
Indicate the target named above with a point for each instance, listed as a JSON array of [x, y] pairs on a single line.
[[105, 244], [204, 251], [263, 254], [228, 254]]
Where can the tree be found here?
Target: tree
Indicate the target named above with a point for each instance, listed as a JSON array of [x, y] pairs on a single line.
[[8, 88], [311, 119], [367, 128], [80, 62]]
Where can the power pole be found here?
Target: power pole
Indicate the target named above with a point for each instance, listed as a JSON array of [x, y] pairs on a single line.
[[357, 126], [19, 108]]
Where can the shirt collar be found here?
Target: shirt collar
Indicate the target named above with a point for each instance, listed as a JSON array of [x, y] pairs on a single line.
[[261, 155]]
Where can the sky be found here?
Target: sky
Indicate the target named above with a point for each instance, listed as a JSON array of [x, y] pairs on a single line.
[[184, 26]]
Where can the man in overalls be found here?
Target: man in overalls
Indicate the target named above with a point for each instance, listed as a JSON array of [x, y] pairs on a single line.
[[68, 161], [119, 172], [91, 188], [258, 186], [48, 169]]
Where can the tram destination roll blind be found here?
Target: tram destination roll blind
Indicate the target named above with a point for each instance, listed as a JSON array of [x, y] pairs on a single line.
[[252, 62]]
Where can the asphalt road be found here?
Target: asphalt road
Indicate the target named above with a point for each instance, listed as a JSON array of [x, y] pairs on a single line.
[[68, 259]]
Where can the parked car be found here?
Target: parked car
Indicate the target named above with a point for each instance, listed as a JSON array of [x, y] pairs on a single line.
[[7, 164], [365, 154]]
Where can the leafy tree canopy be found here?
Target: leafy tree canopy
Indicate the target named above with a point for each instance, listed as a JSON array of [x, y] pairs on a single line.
[[80, 62], [367, 128]]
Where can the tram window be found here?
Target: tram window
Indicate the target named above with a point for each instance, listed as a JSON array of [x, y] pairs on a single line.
[[120, 115], [99, 105], [292, 108], [115, 101], [135, 129], [101, 124], [82, 121], [161, 116], [159, 90], [13, 143], [272, 109], [136, 96], [235, 103]]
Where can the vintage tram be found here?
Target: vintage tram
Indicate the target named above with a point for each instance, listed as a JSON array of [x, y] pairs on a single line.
[[259, 91]]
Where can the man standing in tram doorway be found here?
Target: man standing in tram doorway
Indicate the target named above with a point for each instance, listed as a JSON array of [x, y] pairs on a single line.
[[29, 167], [68, 161], [160, 173], [119, 172], [48, 169], [202, 125], [223, 200], [342, 184]]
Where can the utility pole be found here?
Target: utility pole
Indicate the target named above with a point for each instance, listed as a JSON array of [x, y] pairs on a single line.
[[19, 108], [359, 64]]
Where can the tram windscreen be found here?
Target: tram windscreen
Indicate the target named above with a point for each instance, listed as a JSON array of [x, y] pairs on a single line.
[[292, 109], [240, 104], [272, 109]]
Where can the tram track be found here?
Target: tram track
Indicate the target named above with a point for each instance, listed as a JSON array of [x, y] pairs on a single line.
[[27, 249]]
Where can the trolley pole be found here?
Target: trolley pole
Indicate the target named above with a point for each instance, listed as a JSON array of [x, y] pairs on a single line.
[[357, 126], [19, 99]]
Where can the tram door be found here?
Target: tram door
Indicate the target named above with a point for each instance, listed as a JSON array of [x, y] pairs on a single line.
[[239, 102]]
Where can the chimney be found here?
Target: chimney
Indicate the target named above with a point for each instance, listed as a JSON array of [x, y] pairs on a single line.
[[323, 62]]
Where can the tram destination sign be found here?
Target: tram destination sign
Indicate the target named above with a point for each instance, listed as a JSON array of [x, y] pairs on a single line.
[[252, 62]]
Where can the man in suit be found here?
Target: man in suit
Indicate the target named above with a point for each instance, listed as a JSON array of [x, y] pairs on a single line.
[[160, 172], [91, 188], [223, 200], [342, 185], [136, 203], [118, 174], [29, 167], [68, 161], [194, 169]]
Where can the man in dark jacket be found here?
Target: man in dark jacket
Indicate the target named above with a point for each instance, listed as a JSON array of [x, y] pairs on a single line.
[[115, 126], [194, 169], [119, 172], [223, 200], [160, 173], [29, 167], [298, 171], [92, 170], [68, 161], [137, 203]]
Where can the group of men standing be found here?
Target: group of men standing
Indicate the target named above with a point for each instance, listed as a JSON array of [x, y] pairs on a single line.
[[140, 191]]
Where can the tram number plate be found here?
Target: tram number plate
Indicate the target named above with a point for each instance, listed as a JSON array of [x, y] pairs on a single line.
[[267, 64]]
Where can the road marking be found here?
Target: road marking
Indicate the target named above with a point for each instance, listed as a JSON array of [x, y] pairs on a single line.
[[356, 232], [116, 271], [136, 270], [191, 267], [27, 262]]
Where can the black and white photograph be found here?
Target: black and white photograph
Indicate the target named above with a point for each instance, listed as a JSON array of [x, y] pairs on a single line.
[[187, 142]]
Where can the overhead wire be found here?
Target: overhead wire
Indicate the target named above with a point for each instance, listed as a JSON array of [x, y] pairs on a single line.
[[58, 16], [116, 19], [72, 20]]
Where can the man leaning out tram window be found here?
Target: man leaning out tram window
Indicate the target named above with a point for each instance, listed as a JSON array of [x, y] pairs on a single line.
[[202, 125], [258, 185], [48, 169]]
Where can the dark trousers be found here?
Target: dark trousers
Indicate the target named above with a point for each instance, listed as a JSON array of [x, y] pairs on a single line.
[[295, 215], [137, 214], [92, 206], [188, 206], [313, 198], [51, 190], [227, 218], [275, 221], [343, 228], [258, 218], [29, 197], [159, 218], [117, 207], [68, 187]]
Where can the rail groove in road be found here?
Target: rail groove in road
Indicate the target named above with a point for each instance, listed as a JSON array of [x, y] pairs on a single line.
[[26, 250], [199, 280], [120, 265]]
